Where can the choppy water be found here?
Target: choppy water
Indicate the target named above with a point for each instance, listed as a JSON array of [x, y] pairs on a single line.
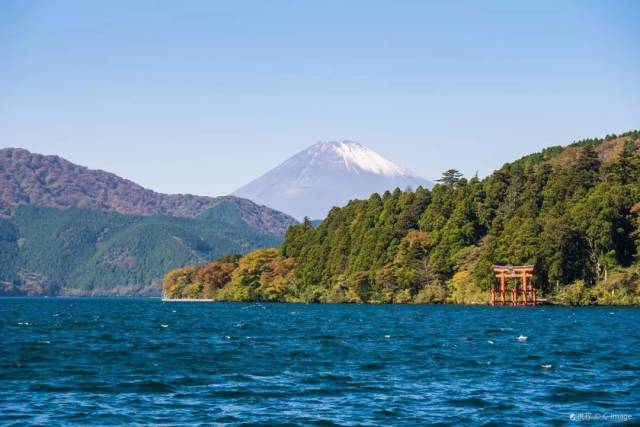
[[141, 361]]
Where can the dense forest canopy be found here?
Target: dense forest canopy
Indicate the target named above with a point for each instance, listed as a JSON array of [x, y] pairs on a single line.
[[570, 211], [46, 251]]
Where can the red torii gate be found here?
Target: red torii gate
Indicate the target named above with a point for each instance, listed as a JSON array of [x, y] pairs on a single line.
[[522, 272]]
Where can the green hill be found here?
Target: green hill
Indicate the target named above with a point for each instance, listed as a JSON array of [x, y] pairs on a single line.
[[50, 181], [46, 251], [571, 211]]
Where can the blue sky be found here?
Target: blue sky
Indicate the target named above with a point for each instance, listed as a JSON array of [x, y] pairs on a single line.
[[202, 97]]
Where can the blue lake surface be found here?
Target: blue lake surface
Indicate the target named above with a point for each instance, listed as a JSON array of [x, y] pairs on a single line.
[[142, 361]]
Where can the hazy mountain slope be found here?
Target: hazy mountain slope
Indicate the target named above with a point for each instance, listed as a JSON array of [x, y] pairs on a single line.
[[51, 181], [327, 174], [8, 255], [47, 251]]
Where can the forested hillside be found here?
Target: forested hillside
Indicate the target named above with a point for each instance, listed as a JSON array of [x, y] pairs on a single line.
[[50, 181], [45, 251], [571, 211]]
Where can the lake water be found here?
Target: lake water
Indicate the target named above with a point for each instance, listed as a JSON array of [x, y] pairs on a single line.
[[142, 361]]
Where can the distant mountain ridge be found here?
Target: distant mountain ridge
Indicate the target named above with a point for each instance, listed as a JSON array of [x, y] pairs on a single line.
[[50, 181], [69, 230], [325, 175]]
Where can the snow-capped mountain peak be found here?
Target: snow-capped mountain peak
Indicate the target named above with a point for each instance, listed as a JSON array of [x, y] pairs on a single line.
[[328, 174], [358, 157]]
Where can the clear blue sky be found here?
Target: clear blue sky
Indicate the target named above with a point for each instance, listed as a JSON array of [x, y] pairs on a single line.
[[202, 97]]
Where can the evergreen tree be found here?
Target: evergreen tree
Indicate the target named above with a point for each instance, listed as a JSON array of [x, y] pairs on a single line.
[[450, 178]]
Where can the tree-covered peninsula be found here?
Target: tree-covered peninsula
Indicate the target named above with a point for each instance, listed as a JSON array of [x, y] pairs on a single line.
[[573, 212]]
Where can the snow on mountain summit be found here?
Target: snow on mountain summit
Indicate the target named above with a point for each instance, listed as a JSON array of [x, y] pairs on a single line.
[[356, 156], [328, 174]]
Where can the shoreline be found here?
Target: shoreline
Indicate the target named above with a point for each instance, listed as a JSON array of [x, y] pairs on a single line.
[[150, 297]]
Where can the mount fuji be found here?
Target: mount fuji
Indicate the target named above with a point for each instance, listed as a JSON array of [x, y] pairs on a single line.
[[328, 174]]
